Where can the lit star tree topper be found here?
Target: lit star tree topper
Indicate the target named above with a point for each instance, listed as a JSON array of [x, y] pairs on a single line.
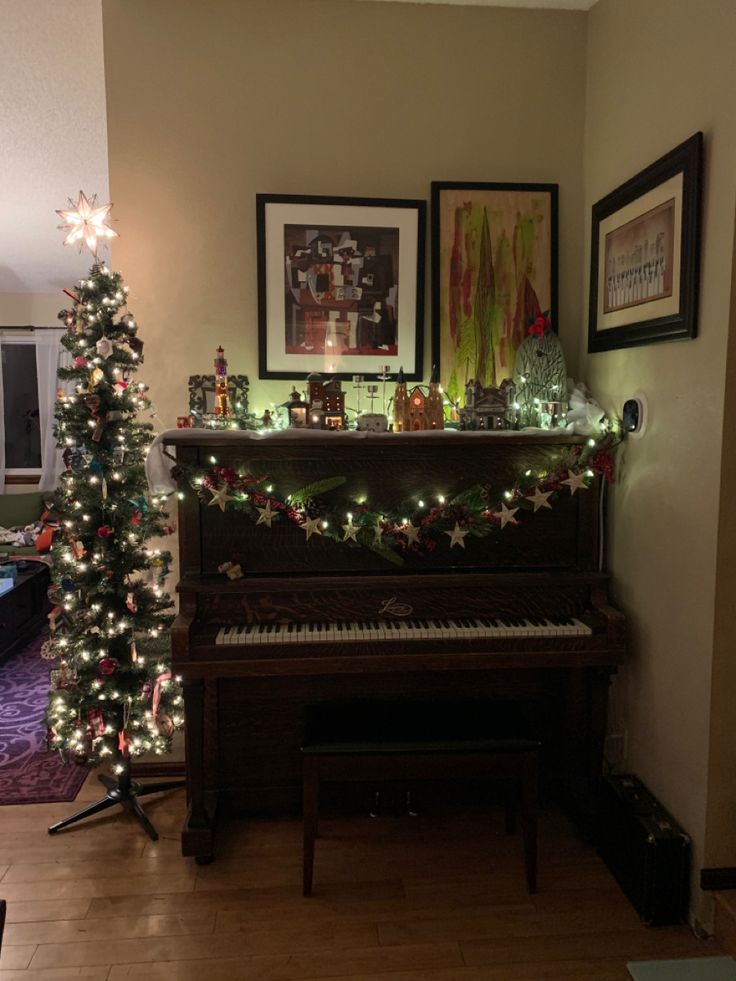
[[86, 223], [113, 697]]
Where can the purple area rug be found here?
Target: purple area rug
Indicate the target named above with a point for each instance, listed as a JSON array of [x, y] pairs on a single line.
[[29, 773]]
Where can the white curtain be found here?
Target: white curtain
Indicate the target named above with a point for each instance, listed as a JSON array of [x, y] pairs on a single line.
[[49, 357]]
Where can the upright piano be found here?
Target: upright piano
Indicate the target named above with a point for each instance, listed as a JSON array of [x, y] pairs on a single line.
[[521, 614]]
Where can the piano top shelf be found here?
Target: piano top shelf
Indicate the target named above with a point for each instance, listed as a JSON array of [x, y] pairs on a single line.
[[317, 437]]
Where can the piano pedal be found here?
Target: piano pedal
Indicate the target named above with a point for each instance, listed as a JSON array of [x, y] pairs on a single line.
[[375, 810]]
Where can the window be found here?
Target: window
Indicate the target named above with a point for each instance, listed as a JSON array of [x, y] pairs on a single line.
[[20, 406]]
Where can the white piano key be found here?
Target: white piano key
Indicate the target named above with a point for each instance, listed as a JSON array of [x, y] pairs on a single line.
[[465, 628]]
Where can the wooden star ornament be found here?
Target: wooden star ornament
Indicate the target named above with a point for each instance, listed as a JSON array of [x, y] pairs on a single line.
[[457, 536], [507, 516], [350, 531], [266, 515], [311, 526], [220, 497], [540, 499], [412, 533], [575, 481]]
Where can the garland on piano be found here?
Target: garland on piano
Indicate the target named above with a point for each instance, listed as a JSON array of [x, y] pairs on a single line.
[[427, 522]]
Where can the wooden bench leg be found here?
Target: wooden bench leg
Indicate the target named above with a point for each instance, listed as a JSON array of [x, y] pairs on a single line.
[[529, 806], [310, 811]]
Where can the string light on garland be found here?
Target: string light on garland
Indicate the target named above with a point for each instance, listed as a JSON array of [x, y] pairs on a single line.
[[472, 512]]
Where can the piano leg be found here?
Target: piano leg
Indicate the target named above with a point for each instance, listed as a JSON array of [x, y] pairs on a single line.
[[586, 702], [198, 832]]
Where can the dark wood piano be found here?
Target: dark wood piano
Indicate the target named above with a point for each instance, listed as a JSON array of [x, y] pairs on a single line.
[[520, 615]]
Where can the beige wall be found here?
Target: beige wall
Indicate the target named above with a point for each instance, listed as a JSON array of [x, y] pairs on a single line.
[[225, 99], [210, 103], [656, 73], [30, 309]]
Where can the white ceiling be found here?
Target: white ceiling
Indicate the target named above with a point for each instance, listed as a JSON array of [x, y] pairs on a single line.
[[54, 135], [54, 129]]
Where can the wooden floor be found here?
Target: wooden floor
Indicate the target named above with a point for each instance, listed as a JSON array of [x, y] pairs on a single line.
[[396, 899]]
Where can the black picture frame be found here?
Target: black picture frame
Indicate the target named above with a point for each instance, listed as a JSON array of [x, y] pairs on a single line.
[[508, 205], [645, 254], [349, 300]]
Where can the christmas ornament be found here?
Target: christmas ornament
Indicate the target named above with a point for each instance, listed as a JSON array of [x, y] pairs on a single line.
[[86, 222], [131, 603], [93, 403], [266, 515], [220, 497], [576, 481], [136, 518], [412, 533], [107, 666], [104, 347], [48, 651], [457, 536], [377, 532], [104, 531], [96, 722], [96, 376], [311, 527], [540, 499], [507, 516], [231, 570], [165, 725], [350, 532]]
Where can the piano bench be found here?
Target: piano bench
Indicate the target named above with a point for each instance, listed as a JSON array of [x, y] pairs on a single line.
[[515, 761]]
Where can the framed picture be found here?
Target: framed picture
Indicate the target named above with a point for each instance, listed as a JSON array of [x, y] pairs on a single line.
[[494, 271], [340, 285], [645, 254]]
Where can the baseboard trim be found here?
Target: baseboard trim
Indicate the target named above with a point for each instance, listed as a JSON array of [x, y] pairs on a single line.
[[724, 878]]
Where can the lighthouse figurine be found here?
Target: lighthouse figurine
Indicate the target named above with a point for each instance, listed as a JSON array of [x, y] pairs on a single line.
[[222, 402]]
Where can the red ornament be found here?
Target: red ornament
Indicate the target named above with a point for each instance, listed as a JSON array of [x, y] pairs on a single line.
[[136, 518], [104, 531], [96, 722], [107, 666], [80, 362], [540, 325]]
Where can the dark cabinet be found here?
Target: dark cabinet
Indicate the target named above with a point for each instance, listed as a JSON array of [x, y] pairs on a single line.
[[23, 608]]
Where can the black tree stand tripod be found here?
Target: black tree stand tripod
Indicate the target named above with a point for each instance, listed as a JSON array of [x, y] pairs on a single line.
[[123, 791]]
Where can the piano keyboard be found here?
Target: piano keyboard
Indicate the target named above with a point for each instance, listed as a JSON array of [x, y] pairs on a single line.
[[460, 629]]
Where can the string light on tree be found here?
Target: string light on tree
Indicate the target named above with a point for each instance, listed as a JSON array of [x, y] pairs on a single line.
[[105, 583]]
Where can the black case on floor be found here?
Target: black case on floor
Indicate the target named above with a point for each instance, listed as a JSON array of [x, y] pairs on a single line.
[[646, 850]]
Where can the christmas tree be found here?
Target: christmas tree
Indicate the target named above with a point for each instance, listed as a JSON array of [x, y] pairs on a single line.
[[113, 697]]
